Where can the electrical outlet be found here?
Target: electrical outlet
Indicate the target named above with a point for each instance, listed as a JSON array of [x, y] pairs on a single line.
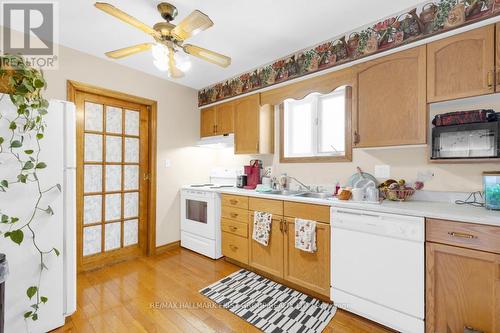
[[382, 171]]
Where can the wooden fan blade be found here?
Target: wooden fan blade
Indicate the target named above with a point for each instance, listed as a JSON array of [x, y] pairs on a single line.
[[121, 53], [210, 56], [173, 71], [113, 11], [191, 25]]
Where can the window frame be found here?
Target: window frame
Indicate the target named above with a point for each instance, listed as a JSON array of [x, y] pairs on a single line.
[[321, 157]]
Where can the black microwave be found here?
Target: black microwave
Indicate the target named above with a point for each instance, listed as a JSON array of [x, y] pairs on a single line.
[[467, 141]]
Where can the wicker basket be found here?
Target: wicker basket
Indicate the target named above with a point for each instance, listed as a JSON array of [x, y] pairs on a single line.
[[399, 195]]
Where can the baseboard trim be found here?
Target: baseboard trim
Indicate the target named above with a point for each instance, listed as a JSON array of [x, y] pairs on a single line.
[[167, 247]]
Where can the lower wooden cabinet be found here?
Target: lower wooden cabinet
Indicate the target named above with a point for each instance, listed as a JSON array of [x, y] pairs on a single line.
[[235, 247], [462, 284], [268, 258], [310, 270], [280, 258]]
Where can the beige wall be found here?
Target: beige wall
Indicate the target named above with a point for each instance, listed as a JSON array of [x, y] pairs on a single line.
[[405, 162], [178, 126]]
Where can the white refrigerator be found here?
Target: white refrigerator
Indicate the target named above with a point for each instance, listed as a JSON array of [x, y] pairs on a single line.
[[58, 283]]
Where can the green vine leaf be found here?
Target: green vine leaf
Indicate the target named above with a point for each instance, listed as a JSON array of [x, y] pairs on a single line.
[[28, 165], [39, 136], [4, 219], [28, 152], [12, 126], [44, 299], [41, 165], [4, 183], [1, 140], [15, 144], [34, 317], [28, 314], [56, 251], [31, 291], [16, 236], [22, 178], [49, 210]]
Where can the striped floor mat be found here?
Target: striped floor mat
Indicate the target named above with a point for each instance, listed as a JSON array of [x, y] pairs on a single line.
[[268, 305]]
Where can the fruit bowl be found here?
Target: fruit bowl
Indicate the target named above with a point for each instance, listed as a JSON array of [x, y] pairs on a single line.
[[399, 194]]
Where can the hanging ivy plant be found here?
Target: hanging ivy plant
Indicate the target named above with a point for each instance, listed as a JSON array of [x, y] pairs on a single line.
[[25, 85]]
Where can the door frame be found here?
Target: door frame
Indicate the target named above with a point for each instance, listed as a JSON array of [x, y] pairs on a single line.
[[74, 87]]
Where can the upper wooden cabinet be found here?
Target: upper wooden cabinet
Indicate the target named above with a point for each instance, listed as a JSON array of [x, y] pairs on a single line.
[[217, 120], [392, 108], [207, 121], [462, 65], [253, 126], [497, 43], [225, 118]]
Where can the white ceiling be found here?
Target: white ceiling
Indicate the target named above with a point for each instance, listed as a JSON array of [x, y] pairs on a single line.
[[251, 32]]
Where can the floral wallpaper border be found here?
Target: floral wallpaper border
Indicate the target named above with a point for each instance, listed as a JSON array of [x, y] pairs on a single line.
[[423, 21]]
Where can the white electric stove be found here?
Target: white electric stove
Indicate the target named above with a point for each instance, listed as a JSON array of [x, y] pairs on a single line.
[[200, 213]]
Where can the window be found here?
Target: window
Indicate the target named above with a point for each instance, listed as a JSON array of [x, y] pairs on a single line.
[[316, 128]]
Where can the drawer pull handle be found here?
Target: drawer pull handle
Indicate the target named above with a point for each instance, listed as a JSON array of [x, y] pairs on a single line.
[[461, 235], [233, 202], [232, 247], [234, 215], [233, 228]]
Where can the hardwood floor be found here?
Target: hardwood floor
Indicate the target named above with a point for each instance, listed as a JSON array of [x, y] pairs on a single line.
[[160, 294]]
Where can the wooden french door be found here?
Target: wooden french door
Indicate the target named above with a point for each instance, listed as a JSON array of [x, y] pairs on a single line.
[[112, 179]]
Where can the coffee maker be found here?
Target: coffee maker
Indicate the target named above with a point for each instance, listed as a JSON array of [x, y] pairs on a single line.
[[253, 173]]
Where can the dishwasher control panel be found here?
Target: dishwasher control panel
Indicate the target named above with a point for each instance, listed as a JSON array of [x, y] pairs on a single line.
[[383, 224]]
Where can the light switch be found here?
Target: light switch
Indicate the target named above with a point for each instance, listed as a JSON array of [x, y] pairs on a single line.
[[382, 171], [168, 163]]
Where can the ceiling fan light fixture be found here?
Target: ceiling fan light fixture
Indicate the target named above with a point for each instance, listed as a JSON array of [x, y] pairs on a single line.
[[182, 61]]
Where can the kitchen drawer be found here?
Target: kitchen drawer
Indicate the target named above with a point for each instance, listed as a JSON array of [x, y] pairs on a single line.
[[233, 227], [317, 213], [265, 205], [469, 235], [235, 247], [236, 214], [237, 201]]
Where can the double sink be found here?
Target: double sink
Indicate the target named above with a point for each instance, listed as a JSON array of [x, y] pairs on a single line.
[[315, 195]]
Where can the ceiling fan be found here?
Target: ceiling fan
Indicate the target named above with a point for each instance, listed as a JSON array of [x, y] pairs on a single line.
[[169, 39]]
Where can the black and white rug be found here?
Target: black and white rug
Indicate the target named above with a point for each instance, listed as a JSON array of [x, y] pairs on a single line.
[[268, 305]]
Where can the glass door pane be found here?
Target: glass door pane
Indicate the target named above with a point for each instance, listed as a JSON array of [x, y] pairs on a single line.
[[196, 211], [111, 186]]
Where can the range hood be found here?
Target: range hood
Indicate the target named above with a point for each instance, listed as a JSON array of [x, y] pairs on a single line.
[[217, 141]]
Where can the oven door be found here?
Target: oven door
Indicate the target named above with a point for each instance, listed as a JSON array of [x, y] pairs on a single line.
[[197, 213]]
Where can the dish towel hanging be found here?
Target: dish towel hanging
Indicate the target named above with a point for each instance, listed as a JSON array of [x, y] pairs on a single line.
[[305, 235], [262, 227]]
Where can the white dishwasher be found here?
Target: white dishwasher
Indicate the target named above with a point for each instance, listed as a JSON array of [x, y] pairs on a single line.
[[378, 267]]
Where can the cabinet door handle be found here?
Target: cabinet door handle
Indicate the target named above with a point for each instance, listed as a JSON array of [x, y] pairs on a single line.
[[281, 225], [232, 247], [491, 79], [461, 235], [498, 77], [233, 228], [285, 224], [233, 202], [356, 137], [234, 215]]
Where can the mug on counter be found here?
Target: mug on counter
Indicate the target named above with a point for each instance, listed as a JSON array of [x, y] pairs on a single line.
[[358, 194]]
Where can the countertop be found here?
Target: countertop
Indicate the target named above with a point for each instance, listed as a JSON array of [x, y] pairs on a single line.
[[428, 209]]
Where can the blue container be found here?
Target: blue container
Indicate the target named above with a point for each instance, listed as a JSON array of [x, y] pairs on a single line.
[[491, 182]]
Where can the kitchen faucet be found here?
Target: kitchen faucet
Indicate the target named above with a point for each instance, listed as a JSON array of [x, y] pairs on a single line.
[[308, 188]]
